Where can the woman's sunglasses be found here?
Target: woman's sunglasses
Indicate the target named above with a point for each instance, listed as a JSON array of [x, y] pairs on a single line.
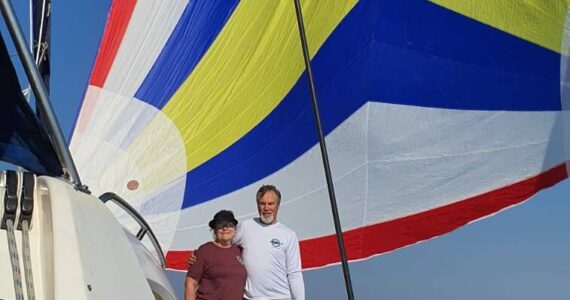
[[224, 225]]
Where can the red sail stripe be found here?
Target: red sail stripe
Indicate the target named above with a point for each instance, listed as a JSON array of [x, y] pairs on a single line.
[[383, 237], [117, 23]]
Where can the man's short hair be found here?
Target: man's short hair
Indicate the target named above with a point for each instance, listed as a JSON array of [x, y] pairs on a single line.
[[268, 188]]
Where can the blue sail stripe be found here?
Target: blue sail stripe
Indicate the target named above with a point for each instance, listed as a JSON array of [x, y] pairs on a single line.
[[402, 63], [196, 30]]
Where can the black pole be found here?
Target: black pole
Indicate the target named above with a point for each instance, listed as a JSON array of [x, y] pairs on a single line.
[[324, 154]]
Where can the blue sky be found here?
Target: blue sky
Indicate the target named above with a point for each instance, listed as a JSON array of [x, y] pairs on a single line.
[[522, 253]]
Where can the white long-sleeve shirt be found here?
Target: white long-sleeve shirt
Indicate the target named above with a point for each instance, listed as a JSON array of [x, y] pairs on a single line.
[[272, 259]]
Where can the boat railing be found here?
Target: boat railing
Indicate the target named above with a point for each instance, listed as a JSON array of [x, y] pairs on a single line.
[[144, 227]]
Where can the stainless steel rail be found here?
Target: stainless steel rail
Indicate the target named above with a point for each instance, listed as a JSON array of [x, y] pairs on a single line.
[[145, 228]]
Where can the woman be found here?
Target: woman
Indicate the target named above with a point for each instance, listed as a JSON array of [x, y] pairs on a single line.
[[217, 272]]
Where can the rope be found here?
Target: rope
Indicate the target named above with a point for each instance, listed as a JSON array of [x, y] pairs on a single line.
[[27, 261], [14, 260]]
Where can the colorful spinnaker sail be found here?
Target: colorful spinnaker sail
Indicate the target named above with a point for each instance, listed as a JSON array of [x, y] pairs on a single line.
[[436, 114]]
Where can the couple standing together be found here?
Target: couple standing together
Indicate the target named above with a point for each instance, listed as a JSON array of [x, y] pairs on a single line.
[[259, 259]]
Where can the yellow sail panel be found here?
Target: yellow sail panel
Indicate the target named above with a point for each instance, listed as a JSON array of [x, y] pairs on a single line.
[[251, 66], [537, 21]]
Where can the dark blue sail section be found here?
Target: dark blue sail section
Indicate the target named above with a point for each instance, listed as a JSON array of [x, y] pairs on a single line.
[[22, 140]]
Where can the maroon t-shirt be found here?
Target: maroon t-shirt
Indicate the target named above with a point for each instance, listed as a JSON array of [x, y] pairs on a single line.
[[219, 272]]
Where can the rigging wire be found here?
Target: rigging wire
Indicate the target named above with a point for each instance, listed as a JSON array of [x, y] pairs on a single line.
[[40, 45]]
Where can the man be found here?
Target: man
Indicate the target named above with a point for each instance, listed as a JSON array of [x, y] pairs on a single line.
[[271, 253]]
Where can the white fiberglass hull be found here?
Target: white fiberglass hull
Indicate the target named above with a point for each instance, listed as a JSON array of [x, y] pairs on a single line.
[[78, 250]]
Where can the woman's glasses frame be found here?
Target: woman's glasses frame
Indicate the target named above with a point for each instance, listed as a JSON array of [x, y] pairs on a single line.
[[224, 225]]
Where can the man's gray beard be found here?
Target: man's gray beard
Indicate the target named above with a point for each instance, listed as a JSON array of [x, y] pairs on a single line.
[[267, 220]]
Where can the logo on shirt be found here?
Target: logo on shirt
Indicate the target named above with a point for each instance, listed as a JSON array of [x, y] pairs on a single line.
[[276, 243]]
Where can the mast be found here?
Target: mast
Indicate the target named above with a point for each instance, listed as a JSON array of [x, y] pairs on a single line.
[[324, 154], [40, 91]]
